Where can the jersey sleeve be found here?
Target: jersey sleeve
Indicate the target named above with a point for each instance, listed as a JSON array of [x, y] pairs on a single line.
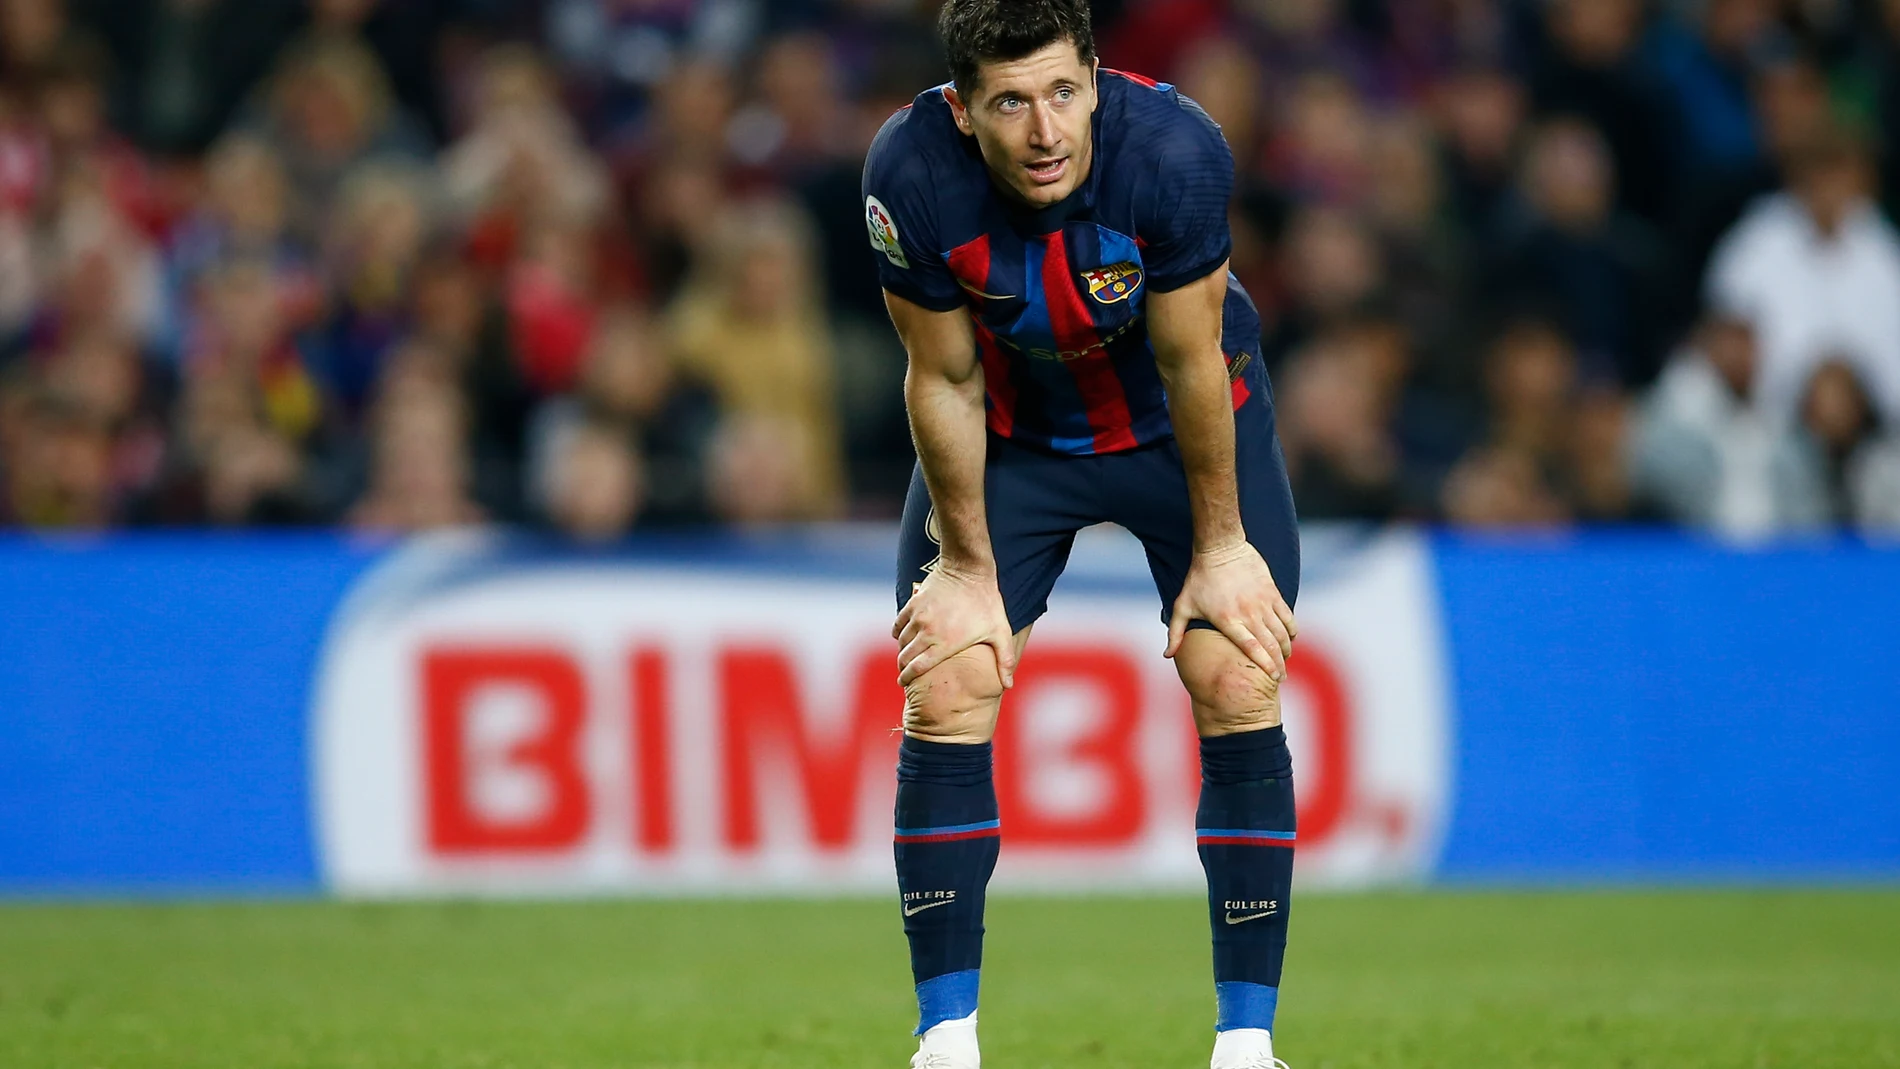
[[1185, 226], [901, 220]]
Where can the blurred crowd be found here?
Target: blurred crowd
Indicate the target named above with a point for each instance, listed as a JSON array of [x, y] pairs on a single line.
[[600, 265]]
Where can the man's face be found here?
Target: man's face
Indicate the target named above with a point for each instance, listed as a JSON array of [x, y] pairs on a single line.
[[1031, 118], [1832, 190]]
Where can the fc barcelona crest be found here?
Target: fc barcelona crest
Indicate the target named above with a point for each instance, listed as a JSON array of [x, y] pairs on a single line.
[[1116, 282]]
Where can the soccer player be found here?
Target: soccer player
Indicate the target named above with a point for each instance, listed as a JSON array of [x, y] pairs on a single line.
[[1054, 246]]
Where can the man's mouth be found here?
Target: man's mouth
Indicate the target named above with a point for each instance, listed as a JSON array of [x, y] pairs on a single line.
[[1045, 172]]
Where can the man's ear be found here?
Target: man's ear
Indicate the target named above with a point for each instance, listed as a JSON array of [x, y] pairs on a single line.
[[958, 112], [1095, 84]]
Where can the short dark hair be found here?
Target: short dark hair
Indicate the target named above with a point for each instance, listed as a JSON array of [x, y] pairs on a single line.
[[975, 32]]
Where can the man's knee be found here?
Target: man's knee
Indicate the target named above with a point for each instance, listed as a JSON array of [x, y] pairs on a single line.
[[1231, 694], [956, 701]]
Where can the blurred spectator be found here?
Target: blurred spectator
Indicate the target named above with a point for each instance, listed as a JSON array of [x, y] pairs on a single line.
[[419, 467], [403, 35], [624, 52], [1814, 271], [1425, 256], [798, 123], [230, 464], [521, 164], [1595, 271], [1515, 477], [186, 66], [1335, 411], [550, 293], [594, 484], [55, 459], [1707, 67], [328, 109], [72, 112], [690, 121], [1226, 79], [1792, 108], [762, 472], [1600, 487], [1323, 149], [457, 323], [1331, 267], [244, 216], [1479, 111], [1852, 464], [103, 374], [241, 341], [372, 249], [1704, 452], [94, 269], [1155, 36], [1591, 69], [1297, 38], [1501, 488], [750, 323], [33, 35], [665, 418]]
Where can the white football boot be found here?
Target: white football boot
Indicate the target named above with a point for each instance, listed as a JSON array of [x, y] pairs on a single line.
[[1244, 1048], [949, 1045]]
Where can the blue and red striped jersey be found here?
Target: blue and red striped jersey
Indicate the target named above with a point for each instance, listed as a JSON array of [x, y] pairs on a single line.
[[1057, 295]]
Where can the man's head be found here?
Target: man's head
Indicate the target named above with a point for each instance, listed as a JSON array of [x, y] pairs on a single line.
[[1023, 76], [1832, 175]]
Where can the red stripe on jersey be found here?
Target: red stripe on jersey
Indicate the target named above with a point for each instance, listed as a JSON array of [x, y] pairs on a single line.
[[970, 262], [1241, 393], [996, 381], [1094, 373], [1133, 77]]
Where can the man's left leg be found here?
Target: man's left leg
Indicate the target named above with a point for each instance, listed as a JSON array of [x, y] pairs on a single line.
[[1244, 826], [1244, 829]]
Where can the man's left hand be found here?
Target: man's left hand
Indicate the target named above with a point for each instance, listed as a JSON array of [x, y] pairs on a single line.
[[1231, 588]]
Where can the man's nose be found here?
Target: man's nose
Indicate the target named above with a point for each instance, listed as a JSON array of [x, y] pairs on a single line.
[[1042, 128]]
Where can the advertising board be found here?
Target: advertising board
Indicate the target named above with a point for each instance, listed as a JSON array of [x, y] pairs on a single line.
[[488, 723]]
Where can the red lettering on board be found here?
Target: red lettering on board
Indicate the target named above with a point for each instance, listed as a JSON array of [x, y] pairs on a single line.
[[761, 713], [453, 679], [1110, 747], [1324, 793], [652, 714]]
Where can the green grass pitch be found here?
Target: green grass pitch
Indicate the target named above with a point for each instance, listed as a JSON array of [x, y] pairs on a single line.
[[1678, 979]]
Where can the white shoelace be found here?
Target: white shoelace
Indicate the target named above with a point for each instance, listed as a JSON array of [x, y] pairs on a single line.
[[937, 1059]]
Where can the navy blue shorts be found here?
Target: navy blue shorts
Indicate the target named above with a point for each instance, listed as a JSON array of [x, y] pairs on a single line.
[[1037, 501]]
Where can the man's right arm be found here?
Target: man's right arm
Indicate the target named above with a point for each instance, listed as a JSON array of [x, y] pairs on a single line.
[[943, 392], [958, 605]]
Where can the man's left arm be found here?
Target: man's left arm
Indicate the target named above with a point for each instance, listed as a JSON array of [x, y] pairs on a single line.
[[1228, 583]]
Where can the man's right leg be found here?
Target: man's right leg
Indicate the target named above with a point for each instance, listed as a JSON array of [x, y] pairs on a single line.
[[947, 838], [947, 832]]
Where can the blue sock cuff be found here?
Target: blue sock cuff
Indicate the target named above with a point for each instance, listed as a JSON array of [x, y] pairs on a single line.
[[947, 763], [1244, 1005], [950, 997], [1251, 755]]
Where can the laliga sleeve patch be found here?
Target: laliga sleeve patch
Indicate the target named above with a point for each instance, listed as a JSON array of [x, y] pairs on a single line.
[[883, 230]]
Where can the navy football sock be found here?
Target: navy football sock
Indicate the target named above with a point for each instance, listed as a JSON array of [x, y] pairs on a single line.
[[946, 844], [1244, 829]]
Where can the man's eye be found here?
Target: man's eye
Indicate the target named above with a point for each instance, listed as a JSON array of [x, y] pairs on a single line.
[[1064, 94], [1009, 103]]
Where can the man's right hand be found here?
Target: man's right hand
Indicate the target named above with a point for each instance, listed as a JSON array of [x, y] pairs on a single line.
[[949, 612]]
